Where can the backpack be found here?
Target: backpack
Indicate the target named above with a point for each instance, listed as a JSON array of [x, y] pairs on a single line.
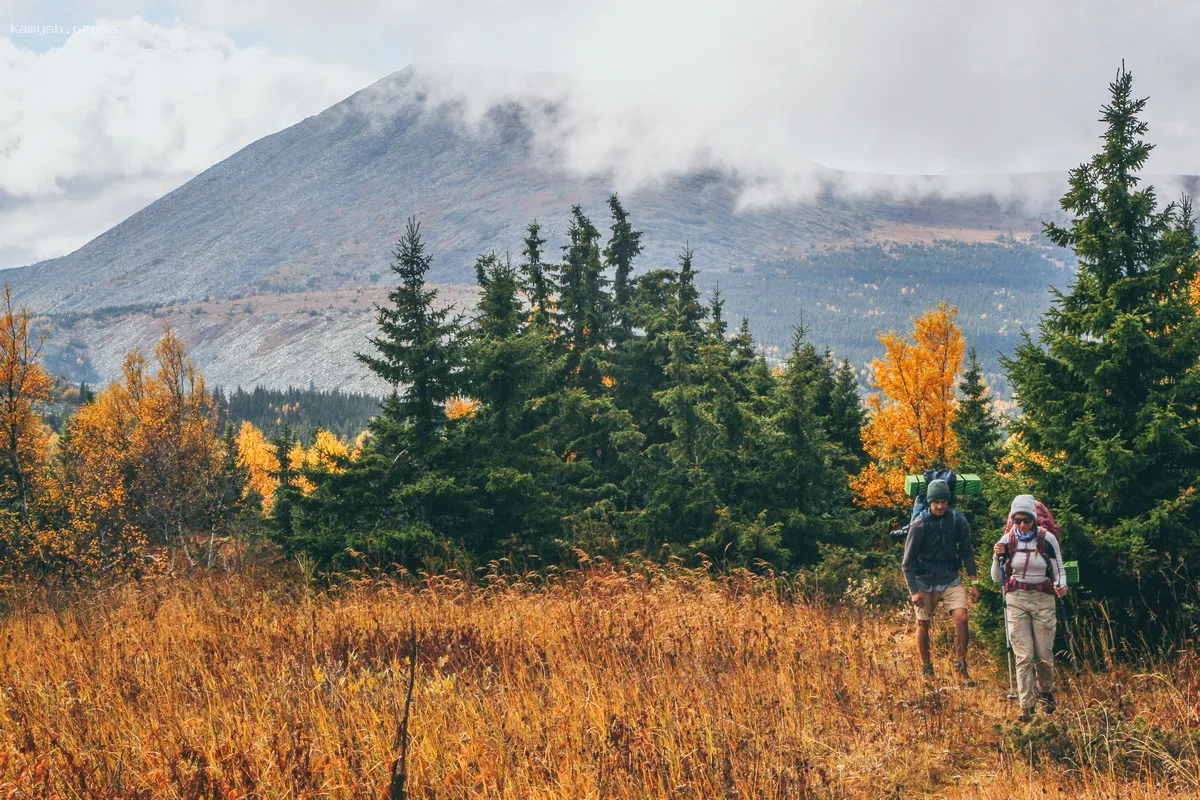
[[921, 505], [1044, 519]]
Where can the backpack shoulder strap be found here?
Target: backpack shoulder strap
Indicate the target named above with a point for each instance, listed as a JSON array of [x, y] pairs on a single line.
[[1047, 552], [1010, 543]]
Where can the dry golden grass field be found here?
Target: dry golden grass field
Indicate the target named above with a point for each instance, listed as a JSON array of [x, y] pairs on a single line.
[[599, 683]]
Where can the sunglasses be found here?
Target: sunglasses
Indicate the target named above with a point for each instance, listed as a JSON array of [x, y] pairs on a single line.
[[1022, 520]]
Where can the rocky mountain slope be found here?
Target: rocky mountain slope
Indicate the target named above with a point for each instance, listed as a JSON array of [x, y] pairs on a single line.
[[314, 210]]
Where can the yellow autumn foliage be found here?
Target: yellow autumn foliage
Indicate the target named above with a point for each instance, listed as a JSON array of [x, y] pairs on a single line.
[[258, 462], [143, 460], [908, 426], [461, 407]]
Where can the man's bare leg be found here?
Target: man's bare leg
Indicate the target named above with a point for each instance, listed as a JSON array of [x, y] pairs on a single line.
[[961, 633], [923, 641]]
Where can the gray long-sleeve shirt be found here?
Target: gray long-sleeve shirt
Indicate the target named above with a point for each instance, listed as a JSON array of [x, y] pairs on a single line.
[[934, 552]]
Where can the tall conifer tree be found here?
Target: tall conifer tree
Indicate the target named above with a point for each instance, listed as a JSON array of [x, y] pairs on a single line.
[[689, 296], [585, 306], [1110, 392], [538, 283], [417, 347], [975, 424], [623, 246], [846, 415], [804, 487]]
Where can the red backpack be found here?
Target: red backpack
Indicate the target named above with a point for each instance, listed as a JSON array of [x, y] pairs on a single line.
[[1045, 520]]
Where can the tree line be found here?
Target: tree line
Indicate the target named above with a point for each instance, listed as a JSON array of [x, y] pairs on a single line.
[[848, 293], [305, 410]]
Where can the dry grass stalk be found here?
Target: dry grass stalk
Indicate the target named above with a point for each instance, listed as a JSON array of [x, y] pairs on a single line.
[[654, 683]]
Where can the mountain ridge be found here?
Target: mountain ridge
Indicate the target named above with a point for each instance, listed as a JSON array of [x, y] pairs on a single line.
[[337, 186], [318, 206]]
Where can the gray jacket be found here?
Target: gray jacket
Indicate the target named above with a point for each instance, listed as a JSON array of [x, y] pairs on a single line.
[[934, 552]]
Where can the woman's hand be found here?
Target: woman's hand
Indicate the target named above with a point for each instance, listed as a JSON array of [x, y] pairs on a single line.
[[999, 548], [1061, 591]]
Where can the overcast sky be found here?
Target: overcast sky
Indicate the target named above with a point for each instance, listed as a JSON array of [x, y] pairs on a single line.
[[105, 105]]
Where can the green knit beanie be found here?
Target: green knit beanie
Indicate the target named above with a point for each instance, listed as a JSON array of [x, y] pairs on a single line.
[[938, 490]]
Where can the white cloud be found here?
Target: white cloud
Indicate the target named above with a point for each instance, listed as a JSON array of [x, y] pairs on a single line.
[[894, 86], [112, 119], [774, 90]]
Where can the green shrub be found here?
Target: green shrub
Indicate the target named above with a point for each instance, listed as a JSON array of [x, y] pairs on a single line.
[[854, 577], [1100, 739]]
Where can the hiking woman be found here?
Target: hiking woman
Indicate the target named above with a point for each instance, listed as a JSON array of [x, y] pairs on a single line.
[[1028, 560]]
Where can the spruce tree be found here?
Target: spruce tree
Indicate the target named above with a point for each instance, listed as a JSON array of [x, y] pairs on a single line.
[[689, 296], [804, 485], [585, 306], [641, 360], [232, 482], [623, 247], [417, 347], [846, 416], [538, 283], [976, 425], [752, 370], [502, 363], [1110, 392], [502, 502], [287, 492], [499, 311], [717, 327], [681, 500]]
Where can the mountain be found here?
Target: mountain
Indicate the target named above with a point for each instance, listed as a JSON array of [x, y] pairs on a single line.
[[269, 261]]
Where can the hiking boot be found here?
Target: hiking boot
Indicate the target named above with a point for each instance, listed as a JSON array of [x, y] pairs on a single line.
[[1048, 704], [1026, 715], [961, 668], [927, 671]]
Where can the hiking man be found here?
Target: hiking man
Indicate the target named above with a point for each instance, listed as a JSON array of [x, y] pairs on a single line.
[[938, 545], [1033, 578]]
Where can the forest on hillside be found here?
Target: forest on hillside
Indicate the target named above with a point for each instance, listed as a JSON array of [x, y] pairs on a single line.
[[845, 295], [304, 411]]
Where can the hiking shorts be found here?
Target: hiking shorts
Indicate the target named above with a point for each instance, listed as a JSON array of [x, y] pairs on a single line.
[[954, 597]]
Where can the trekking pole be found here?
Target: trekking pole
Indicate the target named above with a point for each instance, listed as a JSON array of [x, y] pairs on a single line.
[[1012, 689]]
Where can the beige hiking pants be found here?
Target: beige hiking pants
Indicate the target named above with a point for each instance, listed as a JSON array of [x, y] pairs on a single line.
[[1031, 623]]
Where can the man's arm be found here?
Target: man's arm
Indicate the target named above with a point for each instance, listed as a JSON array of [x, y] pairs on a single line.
[[912, 546], [966, 550]]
